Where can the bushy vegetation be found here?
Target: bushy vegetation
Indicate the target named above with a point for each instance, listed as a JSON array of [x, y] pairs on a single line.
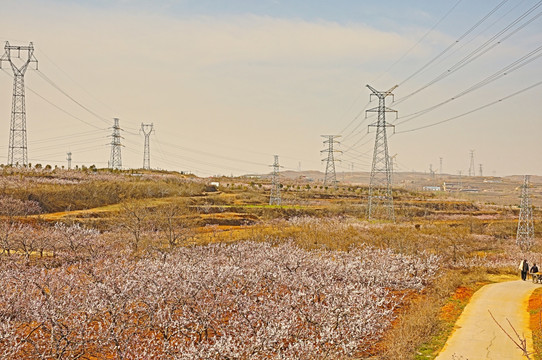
[[71, 190]]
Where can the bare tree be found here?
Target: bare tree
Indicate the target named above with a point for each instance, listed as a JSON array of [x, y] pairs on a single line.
[[10, 210], [175, 223], [135, 218]]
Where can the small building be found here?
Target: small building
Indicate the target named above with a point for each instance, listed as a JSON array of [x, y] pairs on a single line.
[[431, 188], [449, 186]]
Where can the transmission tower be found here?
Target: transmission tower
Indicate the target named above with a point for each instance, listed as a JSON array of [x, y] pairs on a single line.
[[115, 161], [17, 151], [525, 233], [440, 167], [393, 166], [380, 191], [147, 129], [330, 177], [472, 171], [274, 199], [69, 158], [481, 170]]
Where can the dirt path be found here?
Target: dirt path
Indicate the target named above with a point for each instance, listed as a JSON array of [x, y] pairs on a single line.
[[477, 337]]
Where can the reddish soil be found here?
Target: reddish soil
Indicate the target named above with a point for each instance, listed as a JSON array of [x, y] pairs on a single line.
[[452, 309], [535, 321]]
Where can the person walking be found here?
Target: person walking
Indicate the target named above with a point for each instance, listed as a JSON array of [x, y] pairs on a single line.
[[534, 270], [524, 267]]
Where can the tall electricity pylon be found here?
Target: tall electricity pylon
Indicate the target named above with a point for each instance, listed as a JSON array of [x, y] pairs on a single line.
[[275, 199], [69, 158], [393, 166], [440, 167], [380, 190], [18, 151], [330, 177], [525, 233], [147, 129], [115, 161], [481, 170], [472, 171]]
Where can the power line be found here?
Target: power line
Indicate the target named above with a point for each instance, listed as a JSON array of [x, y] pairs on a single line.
[[420, 40], [474, 110], [518, 64], [53, 84], [479, 51], [56, 106], [458, 48], [353, 120], [465, 34], [168, 156], [61, 137], [75, 82]]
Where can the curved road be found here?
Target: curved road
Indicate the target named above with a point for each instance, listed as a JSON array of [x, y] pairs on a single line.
[[477, 337]]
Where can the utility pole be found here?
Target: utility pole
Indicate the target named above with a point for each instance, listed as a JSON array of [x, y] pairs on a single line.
[[69, 158], [481, 170], [380, 187], [440, 167], [147, 129], [18, 151], [472, 171], [330, 177], [115, 161], [525, 233], [275, 199]]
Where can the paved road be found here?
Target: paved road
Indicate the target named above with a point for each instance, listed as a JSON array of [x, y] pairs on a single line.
[[477, 337]]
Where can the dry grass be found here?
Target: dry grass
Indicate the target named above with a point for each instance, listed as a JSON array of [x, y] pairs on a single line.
[[424, 326]]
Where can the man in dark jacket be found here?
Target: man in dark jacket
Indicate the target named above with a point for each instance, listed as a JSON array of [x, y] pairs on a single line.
[[524, 270], [534, 270]]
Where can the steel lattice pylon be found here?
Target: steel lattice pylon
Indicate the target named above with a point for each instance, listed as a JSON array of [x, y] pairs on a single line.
[[330, 177], [69, 158], [380, 187], [472, 171], [274, 198], [525, 233], [147, 129], [18, 151], [115, 161]]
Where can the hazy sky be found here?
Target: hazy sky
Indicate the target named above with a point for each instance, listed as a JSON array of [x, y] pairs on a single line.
[[227, 84]]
